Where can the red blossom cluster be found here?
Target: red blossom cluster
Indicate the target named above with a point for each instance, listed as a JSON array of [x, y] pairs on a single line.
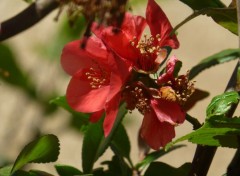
[[122, 65]]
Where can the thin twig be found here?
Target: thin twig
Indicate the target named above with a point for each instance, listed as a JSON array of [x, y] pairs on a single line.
[[27, 18]]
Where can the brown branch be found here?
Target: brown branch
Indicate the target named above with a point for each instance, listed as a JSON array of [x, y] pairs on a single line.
[[27, 18]]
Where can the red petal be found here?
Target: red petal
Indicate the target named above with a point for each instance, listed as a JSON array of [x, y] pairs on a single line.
[[120, 73], [111, 114], [156, 134], [81, 97], [133, 25], [167, 111], [120, 40], [169, 71], [74, 58], [96, 116], [159, 24]]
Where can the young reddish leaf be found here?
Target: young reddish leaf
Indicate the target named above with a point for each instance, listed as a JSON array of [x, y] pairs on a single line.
[[42, 150]]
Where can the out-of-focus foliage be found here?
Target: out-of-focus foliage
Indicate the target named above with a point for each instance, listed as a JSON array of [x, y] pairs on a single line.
[[218, 58], [226, 17]]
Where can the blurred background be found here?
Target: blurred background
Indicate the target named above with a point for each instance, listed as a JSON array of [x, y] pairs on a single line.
[[34, 56]]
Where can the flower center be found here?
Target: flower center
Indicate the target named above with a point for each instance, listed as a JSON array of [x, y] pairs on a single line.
[[97, 77], [180, 87], [136, 97], [148, 52]]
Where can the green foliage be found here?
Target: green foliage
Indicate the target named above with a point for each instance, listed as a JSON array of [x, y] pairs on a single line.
[[218, 58], [117, 167], [65, 170], [162, 169], [42, 150], [79, 120], [217, 131], [11, 72], [121, 144], [221, 104], [5, 171], [153, 156], [94, 142], [198, 5], [226, 17]]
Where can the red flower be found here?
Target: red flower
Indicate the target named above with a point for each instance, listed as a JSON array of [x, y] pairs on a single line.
[[160, 114], [97, 78], [146, 54]]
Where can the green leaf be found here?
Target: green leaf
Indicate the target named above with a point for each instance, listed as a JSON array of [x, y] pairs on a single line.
[[198, 5], [38, 173], [222, 103], [226, 17], [121, 143], [94, 142], [42, 150], [117, 167], [12, 73], [218, 58], [5, 171], [217, 131], [162, 169], [153, 156], [79, 120], [65, 170]]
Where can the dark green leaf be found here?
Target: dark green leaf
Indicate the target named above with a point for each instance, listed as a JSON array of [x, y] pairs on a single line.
[[79, 120], [217, 131], [38, 173], [222, 103], [226, 17], [177, 68], [121, 142], [117, 167], [162, 169], [218, 58], [197, 96], [153, 156], [42, 150], [12, 73], [64, 170], [198, 5], [94, 142]]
